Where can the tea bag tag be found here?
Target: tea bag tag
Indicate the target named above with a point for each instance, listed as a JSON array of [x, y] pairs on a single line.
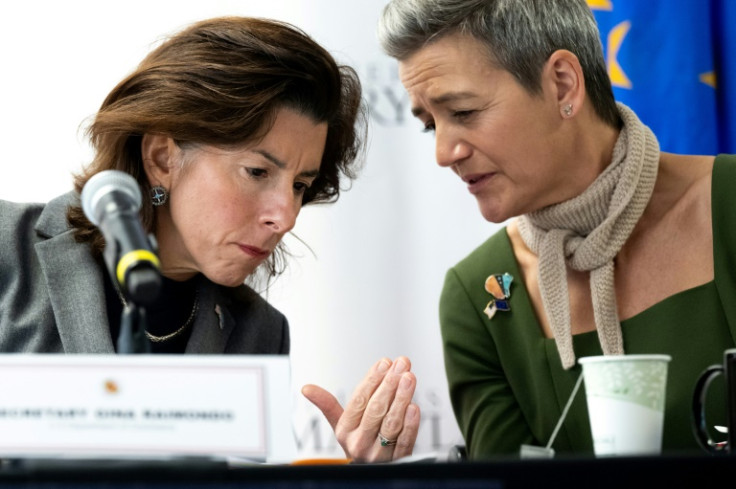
[[533, 451]]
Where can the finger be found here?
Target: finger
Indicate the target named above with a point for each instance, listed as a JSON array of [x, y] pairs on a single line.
[[365, 444], [380, 403], [393, 423], [357, 404], [325, 402], [408, 436]]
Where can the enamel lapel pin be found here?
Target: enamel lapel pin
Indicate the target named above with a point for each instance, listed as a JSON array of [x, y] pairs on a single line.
[[499, 286]]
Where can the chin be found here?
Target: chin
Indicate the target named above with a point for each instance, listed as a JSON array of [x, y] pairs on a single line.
[[491, 207], [234, 283], [493, 214], [229, 279]]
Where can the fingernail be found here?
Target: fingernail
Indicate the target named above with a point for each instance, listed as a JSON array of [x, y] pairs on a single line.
[[406, 382], [383, 366], [400, 366]]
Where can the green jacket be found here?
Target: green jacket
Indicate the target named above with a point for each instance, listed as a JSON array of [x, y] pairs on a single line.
[[507, 384]]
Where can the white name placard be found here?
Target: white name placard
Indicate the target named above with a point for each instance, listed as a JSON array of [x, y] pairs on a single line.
[[146, 406]]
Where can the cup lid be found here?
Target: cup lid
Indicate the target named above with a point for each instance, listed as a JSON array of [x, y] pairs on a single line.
[[624, 358]]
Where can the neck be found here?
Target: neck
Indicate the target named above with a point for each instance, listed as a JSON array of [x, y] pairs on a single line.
[[171, 250], [592, 151]]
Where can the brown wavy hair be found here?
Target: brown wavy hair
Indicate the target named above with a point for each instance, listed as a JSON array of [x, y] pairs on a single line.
[[220, 82]]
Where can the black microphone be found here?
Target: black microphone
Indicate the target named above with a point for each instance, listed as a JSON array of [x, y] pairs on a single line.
[[111, 200]]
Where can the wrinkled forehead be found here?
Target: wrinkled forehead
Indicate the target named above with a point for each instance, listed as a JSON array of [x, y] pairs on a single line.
[[448, 67], [450, 50]]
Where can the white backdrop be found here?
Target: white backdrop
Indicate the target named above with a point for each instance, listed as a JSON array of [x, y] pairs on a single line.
[[369, 282]]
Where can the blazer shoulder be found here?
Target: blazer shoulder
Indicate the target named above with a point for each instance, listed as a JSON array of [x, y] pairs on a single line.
[[245, 297], [18, 222], [258, 324], [496, 251], [21, 220]]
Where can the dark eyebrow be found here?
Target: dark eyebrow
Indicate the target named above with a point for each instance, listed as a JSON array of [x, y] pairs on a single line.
[[442, 99], [280, 164]]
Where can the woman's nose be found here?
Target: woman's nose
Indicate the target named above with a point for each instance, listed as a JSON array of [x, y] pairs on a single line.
[[281, 211], [449, 148]]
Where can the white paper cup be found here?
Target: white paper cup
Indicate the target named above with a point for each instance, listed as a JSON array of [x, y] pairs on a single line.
[[626, 395]]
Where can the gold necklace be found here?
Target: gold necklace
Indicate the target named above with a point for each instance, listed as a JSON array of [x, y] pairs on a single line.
[[160, 339]]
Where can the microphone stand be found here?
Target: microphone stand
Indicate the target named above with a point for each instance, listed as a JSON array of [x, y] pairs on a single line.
[[132, 336]]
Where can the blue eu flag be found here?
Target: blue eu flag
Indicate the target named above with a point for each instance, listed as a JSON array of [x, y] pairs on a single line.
[[674, 63]]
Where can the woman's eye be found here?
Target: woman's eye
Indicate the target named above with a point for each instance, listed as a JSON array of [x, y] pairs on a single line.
[[462, 114], [257, 172], [300, 187], [428, 127]]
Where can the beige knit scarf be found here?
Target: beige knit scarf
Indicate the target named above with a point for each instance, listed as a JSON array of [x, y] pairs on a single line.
[[587, 232]]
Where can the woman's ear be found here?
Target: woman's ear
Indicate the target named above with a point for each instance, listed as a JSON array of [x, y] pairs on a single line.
[[563, 73], [157, 152]]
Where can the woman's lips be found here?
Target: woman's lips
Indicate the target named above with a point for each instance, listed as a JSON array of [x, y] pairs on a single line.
[[477, 181], [254, 251]]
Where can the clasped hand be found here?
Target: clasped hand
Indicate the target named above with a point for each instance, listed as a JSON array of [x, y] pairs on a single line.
[[380, 422]]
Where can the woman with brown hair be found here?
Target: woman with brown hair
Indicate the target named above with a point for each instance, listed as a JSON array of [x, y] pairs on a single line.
[[228, 128]]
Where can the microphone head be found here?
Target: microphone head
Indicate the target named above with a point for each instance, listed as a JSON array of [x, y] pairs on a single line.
[[105, 183]]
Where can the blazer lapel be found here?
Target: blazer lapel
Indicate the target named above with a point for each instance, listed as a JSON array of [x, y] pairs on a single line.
[[74, 283], [213, 324]]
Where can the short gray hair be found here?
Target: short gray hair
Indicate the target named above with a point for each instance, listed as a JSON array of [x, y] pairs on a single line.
[[519, 34]]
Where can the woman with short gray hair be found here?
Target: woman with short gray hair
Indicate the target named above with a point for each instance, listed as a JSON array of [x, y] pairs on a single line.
[[611, 246]]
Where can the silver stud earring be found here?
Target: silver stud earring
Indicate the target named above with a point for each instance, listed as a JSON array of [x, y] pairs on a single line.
[[567, 110], [159, 195]]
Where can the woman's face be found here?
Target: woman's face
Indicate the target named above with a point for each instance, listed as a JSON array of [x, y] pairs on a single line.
[[229, 208], [503, 142]]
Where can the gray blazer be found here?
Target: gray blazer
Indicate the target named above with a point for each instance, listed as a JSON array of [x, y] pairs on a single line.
[[52, 297]]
